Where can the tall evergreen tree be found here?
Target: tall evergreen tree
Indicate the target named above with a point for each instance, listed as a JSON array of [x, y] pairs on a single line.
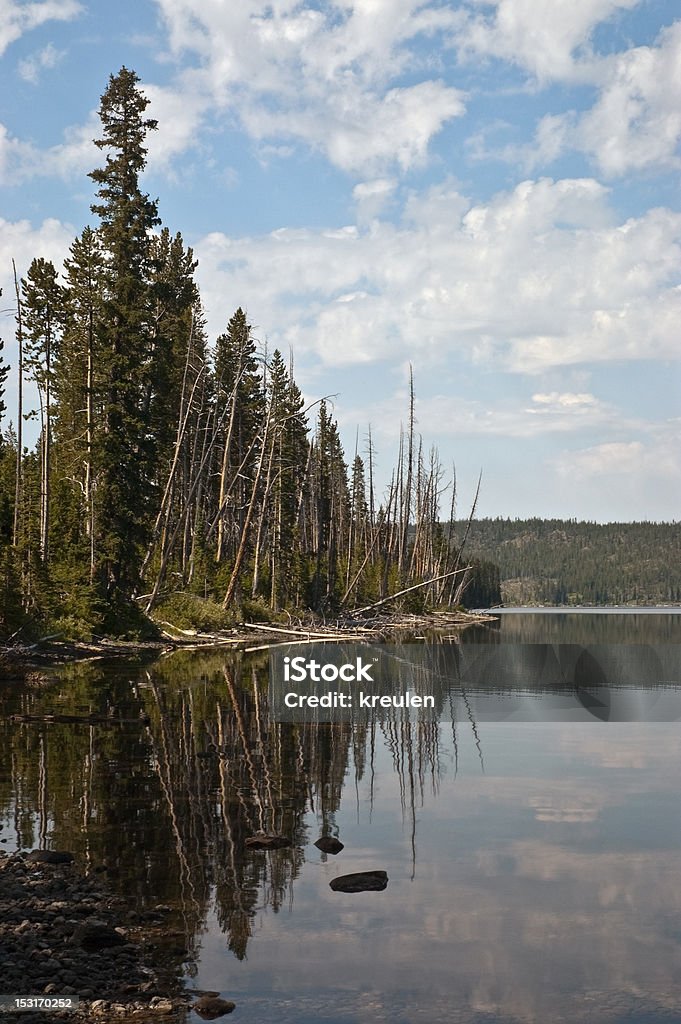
[[78, 380], [329, 508], [238, 384], [43, 317], [174, 295], [282, 487], [127, 216]]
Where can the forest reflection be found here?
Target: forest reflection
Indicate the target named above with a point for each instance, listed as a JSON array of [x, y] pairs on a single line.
[[575, 626], [185, 766]]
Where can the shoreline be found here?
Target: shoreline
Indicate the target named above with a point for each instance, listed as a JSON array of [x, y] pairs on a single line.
[[64, 934], [246, 637]]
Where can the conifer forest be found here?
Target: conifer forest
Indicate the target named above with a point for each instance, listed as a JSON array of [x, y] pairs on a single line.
[[181, 472], [181, 477], [566, 562]]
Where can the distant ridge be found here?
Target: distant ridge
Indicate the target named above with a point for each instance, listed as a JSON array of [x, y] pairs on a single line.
[[567, 562]]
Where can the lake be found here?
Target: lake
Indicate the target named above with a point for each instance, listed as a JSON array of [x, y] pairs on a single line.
[[534, 866]]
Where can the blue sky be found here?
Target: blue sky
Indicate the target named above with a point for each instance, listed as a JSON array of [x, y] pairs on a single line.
[[486, 190]]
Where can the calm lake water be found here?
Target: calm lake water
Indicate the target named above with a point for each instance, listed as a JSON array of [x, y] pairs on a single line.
[[534, 867]]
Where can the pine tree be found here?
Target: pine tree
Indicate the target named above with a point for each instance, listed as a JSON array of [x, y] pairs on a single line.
[[43, 304], [239, 385], [329, 509], [174, 296], [78, 382], [125, 446], [282, 489], [358, 534]]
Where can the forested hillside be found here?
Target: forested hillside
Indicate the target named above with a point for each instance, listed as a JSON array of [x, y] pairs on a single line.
[[177, 470], [555, 561]]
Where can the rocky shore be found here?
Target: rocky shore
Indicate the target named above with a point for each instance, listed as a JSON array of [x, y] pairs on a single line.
[[63, 934]]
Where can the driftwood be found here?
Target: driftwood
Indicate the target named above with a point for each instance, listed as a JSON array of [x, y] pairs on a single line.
[[329, 633], [331, 638], [407, 590]]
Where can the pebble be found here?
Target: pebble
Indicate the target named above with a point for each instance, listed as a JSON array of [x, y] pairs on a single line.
[[55, 921], [160, 1005]]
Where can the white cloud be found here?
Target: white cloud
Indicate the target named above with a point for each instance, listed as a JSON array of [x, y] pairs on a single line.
[[325, 78], [290, 73], [15, 157], [538, 277], [567, 400], [17, 18], [554, 134], [22, 242], [362, 131], [613, 457], [31, 67], [659, 456], [371, 196], [636, 121], [638, 475], [77, 154], [179, 110], [456, 415], [333, 79], [549, 39]]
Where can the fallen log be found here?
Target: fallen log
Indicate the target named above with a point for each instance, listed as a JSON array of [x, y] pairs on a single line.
[[408, 590], [331, 633]]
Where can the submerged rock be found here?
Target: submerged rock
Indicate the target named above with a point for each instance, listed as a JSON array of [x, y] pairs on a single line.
[[210, 1007], [266, 841], [329, 844], [96, 935], [360, 881], [50, 857]]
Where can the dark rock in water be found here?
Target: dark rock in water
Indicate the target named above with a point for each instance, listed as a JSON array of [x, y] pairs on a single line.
[[96, 935], [360, 881], [329, 844], [264, 841], [50, 857], [210, 1007]]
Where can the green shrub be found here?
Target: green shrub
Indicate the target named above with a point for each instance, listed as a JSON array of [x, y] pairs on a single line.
[[257, 611], [190, 611]]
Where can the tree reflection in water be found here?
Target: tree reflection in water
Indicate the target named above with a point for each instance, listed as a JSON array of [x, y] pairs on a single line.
[[187, 765]]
